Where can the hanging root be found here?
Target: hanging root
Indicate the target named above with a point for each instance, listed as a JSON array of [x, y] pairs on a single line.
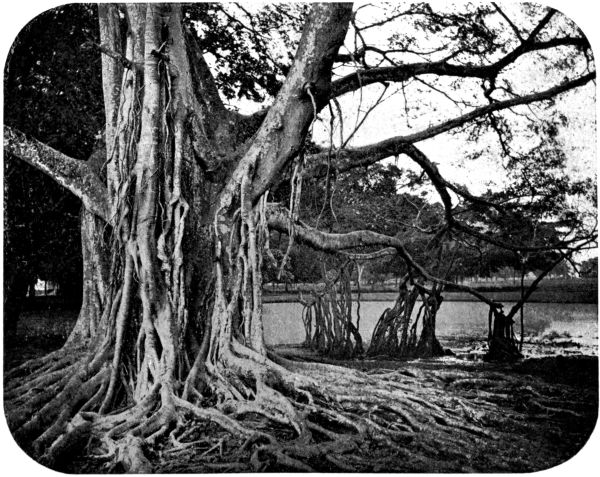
[[393, 335], [327, 317]]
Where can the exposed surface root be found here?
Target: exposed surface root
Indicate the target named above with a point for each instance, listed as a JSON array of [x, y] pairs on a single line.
[[464, 418], [443, 415]]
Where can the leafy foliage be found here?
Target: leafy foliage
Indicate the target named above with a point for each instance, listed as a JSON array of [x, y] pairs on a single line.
[[53, 92], [250, 48]]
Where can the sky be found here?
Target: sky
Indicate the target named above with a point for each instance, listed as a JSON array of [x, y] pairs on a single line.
[[449, 151]]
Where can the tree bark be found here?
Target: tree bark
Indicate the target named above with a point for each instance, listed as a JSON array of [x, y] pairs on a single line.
[[73, 174], [171, 320]]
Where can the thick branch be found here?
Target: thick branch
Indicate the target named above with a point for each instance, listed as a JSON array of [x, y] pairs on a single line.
[[436, 178], [384, 252], [206, 88], [332, 242], [372, 153], [76, 176], [306, 89]]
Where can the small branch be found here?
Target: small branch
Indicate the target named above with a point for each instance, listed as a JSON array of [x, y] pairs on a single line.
[[442, 186], [509, 21], [351, 57], [403, 72], [525, 296]]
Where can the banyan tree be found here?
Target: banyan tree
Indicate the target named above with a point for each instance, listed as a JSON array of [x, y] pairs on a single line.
[[176, 214]]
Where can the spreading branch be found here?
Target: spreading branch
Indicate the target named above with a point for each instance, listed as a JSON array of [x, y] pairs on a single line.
[[335, 242], [306, 90], [207, 90], [563, 256], [442, 186], [370, 154], [75, 175]]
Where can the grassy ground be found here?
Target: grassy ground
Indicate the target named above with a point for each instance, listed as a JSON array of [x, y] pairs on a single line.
[[39, 332]]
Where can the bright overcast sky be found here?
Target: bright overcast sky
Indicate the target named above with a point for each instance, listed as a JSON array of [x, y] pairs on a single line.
[[390, 118]]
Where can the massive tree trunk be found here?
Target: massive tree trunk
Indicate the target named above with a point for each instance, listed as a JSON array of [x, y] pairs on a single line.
[[171, 321]]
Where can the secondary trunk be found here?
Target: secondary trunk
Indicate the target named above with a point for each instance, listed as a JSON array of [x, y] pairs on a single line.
[[395, 333], [328, 317], [391, 334], [502, 344], [428, 344]]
